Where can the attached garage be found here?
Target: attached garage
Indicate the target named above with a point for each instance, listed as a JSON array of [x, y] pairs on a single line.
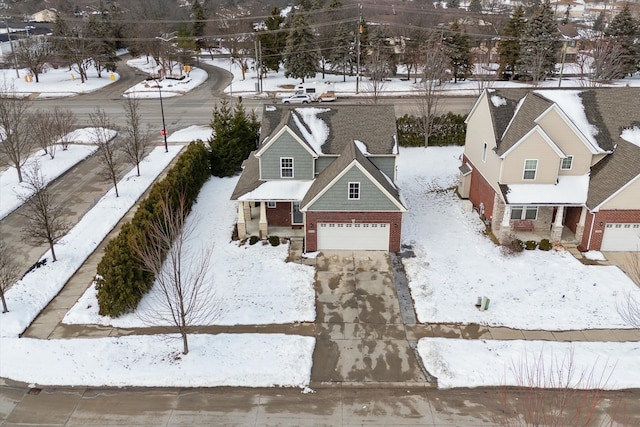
[[621, 237], [353, 236]]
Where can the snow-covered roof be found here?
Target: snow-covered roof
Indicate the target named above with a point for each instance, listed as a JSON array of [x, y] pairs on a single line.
[[498, 100], [568, 190], [316, 130], [631, 135], [278, 190]]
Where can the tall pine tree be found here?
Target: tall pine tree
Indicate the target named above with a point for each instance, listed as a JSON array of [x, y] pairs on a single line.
[[540, 44], [272, 40], [625, 30], [509, 45], [458, 47], [300, 54]]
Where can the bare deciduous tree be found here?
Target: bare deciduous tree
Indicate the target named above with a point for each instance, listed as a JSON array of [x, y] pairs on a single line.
[[64, 122], [8, 273], [136, 140], [606, 60], [14, 130], [108, 147], [434, 70], [33, 53], [42, 127], [44, 219], [182, 291]]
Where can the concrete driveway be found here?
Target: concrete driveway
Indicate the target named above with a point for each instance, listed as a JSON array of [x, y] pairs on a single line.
[[360, 330]]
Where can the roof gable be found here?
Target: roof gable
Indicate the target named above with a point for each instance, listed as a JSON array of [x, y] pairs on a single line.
[[537, 130], [273, 140], [350, 158]]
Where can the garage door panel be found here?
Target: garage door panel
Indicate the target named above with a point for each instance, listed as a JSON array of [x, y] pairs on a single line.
[[621, 237], [353, 236]]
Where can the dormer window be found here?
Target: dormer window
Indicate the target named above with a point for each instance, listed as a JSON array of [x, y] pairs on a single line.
[[567, 162], [530, 169], [286, 167]]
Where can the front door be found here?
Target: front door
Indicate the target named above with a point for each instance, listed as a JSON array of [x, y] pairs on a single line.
[[296, 215]]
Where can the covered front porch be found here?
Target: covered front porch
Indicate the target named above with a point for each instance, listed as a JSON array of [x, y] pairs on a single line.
[[269, 218], [557, 223]]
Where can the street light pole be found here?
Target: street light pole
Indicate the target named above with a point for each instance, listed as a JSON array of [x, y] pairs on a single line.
[[164, 127]]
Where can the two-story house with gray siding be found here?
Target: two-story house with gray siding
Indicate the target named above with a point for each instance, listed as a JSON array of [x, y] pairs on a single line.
[[329, 172]]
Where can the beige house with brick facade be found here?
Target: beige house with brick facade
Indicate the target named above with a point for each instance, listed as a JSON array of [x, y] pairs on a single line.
[[560, 164], [325, 173]]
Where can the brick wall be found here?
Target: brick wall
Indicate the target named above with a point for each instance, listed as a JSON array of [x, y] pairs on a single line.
[[604, 217], [481, 192], [393, 218], [572, 218], [280, 216]]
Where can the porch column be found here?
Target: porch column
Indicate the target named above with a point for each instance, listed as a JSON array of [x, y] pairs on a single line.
[[580, 225], [263, 226], [556, 229], [505, 225], [242, 225], [247, 211]]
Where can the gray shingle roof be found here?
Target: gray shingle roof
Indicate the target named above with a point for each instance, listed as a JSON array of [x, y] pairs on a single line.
[[250, 177], [372, 124], [348, 155], [532, 106]]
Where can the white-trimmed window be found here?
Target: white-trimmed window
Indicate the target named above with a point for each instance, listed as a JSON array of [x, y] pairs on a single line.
[[567, 162], [286, 167], [524, 212], [354, 191], [271, 205], [530, 169], [484, 152]]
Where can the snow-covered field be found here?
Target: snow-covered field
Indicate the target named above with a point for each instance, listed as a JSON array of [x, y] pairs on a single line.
[[455, 263]]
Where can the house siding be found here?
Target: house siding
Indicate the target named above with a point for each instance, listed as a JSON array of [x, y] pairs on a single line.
[[280, 216], [392, 218], [322, 162], [604, 217], [568, 142], [336, 197], [385, 164], [625, 199], [534, 147], [286, 146]]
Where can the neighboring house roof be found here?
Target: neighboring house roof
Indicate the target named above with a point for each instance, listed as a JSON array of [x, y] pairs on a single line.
[[351, 156], [367, 123], [599, 115]]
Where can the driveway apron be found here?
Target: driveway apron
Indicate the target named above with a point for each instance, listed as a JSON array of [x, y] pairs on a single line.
[[361, 336]]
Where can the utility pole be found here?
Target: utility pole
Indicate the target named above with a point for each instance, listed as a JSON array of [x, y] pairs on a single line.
[[358, 31], [564, 57]]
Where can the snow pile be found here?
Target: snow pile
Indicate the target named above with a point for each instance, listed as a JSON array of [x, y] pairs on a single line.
[[631, 135], [11, 190], [88, 135], [318, 131], [362, 147], [455, 263], [498, 101], [241, 360], [191, 133], [30, 295]]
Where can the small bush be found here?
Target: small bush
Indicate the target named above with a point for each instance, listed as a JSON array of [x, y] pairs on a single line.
[[530, 245], [545, 245], [512, 246], [253, 240], [274, 240]]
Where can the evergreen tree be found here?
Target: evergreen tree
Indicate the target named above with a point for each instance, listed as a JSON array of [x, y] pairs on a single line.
[[343, 56], [475, 6], [458, 47], [509, 45], [625, 30], [199, 23], [300, 53], [598, 23], [235, 136], [540, 44], [272, 41]]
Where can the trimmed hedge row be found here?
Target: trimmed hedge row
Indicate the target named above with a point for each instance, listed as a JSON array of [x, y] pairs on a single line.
[[448, 129], [121, 281]]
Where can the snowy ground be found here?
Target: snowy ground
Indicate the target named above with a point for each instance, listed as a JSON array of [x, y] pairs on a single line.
[[170, 87], [455, 263]]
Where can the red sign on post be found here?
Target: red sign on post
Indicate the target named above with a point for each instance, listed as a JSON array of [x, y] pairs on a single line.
[[163, 132]]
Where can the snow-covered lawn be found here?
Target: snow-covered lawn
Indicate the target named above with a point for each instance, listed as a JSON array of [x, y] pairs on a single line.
[[455, 263], [30, 295], [488, 363], [191, 133], [254, 283], [169, 86], [54, 83], [241, 360]]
